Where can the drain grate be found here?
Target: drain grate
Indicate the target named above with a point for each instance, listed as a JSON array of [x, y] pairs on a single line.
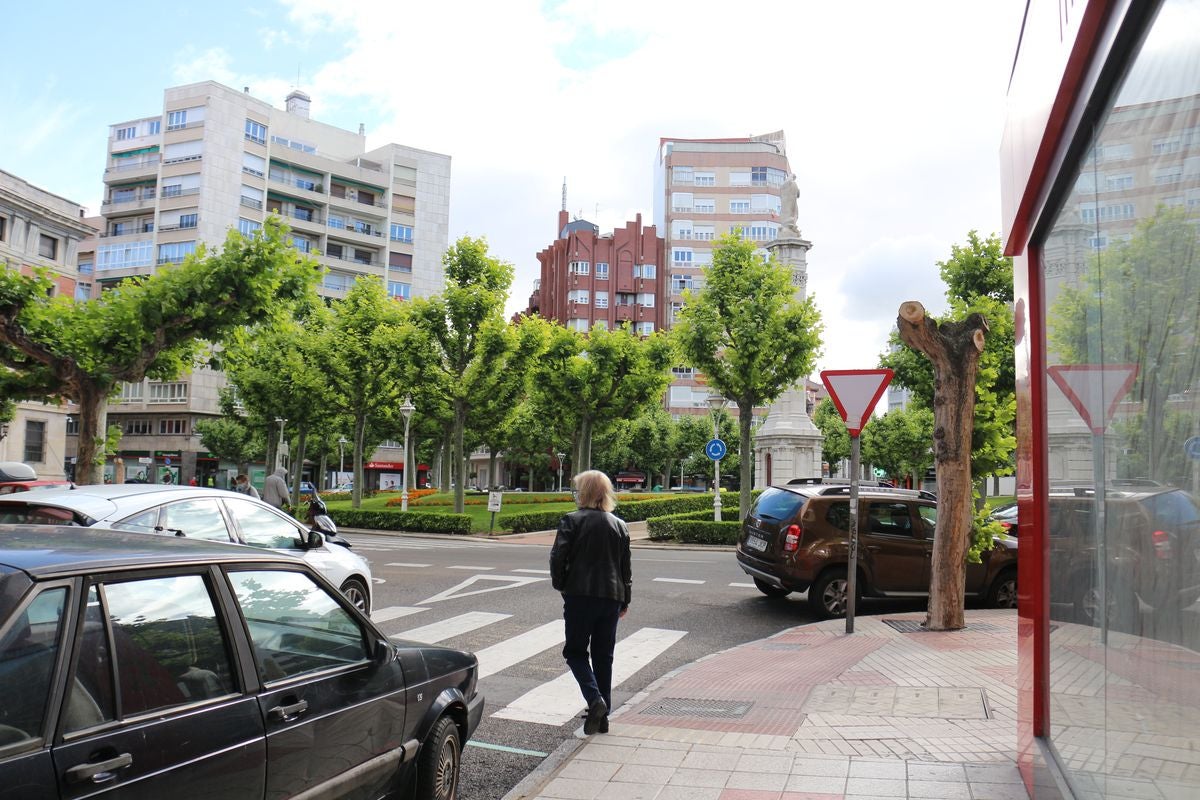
[[915, 626], [706, 709]]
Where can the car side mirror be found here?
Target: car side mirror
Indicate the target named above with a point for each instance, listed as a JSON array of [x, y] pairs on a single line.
[[383, 651], [314, 541]]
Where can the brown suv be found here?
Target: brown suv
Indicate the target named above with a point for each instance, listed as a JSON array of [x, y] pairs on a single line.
[[796, 538]]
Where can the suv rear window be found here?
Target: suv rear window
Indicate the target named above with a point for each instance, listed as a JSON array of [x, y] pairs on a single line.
[[777, 504], [1173, 509]]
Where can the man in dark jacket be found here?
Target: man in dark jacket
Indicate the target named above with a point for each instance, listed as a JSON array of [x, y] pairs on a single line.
[[589, 564]]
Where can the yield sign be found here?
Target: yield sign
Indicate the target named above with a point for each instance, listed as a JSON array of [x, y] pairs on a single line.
[[1094, 389], [855, 393]]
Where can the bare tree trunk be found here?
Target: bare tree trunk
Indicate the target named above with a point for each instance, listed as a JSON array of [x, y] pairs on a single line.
[[954, 349], [93, 429], [492, 482], [298, 469], [745, 421], [463, 458], [447, 458], [360, 431]]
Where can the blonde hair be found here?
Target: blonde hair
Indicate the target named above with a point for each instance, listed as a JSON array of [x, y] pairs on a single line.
[[594, 490]]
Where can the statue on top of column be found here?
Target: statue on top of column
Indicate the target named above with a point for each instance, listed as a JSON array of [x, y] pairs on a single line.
[[788, 194]]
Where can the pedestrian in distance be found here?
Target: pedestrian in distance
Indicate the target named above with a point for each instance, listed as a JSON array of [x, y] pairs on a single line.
[[590, 566], [275, 489], [242, 485]]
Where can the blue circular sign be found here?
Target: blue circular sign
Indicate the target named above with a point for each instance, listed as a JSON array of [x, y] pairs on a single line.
[[1192, 448], [715, 449]]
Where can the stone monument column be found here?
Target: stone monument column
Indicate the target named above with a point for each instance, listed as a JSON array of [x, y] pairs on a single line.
[[788, 444]]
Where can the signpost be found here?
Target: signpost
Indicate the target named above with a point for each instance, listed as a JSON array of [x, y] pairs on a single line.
[[494, 501], [854, 392], [716, 450]]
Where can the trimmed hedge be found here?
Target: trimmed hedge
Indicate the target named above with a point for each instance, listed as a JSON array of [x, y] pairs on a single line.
[[697, 527], [639, 510], [529, 521], [417, 521]]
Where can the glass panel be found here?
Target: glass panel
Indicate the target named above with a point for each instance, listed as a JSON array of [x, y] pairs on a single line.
[[91, 700], [28, 651], [262, 527], [296, 626], [145, 522], [1121, 267], [196, 519], [169, 646]]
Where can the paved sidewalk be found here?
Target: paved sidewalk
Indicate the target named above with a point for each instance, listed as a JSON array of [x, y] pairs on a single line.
[[889, 711]]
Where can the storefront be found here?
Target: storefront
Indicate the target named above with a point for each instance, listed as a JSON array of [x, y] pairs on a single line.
[[1101, 171]]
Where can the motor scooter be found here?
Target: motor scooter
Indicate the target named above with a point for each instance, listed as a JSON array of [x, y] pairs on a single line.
[[320, 521]]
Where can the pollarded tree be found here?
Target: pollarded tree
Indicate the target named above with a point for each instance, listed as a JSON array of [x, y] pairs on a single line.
[[156, 326], [835, 448], [749, 335]]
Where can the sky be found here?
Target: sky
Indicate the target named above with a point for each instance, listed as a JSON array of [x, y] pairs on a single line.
[[893, 111]]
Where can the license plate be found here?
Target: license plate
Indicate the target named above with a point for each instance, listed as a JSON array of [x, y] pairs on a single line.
[[755, 543]]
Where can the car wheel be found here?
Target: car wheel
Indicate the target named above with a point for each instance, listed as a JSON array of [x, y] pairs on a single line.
[[356, 592], [828, 595], [771, 591], [437, 770], [1003, 593]]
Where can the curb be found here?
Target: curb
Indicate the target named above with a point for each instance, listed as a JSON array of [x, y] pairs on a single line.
[[532, 783]]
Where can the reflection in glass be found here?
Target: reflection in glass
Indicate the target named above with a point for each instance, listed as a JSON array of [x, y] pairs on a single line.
[[1122, 284]]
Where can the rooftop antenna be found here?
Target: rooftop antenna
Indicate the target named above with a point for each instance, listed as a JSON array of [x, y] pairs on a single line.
[[564, 199]]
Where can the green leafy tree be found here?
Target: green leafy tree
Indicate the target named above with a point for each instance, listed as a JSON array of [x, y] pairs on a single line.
[[591, 382], [836, 446], [1137, 301], [231, 437], [643, 443], [899, 442], [465, 335], [688, 436], [749, 334], [156, 326]]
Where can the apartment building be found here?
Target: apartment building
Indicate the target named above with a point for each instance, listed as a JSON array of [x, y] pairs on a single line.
[[703, 189], [39, 229], [213, 158], [590, 279]]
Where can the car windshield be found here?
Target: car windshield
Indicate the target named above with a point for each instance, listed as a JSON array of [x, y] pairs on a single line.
[[777, 504], [1173, 509]]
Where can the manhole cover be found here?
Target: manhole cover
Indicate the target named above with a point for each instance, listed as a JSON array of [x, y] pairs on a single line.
[[711, 709], [915, 626]]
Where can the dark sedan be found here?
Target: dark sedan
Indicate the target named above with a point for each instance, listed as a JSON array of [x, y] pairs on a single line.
[[134, 666]]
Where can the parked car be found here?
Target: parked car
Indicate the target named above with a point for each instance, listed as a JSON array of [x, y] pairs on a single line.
[[142, 666], [796, 538], [198, 513], [17, 476]]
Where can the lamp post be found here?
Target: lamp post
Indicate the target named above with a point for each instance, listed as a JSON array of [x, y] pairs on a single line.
[[715, 403], [279, 447], [560, 457], [407, 409], [342, 442]]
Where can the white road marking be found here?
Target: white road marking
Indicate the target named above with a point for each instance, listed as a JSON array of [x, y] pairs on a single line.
[[455, 592], [677, 580], [557, 702], [534, 571], [449, 628], [403, 564], [512, 651], [474, 569], [744, 585], [393, 612]]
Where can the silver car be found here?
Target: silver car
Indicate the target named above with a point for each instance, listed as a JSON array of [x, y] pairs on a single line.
[[198, 513]]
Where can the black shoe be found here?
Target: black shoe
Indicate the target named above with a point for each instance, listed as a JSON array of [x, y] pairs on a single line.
[[597, 712], [603, 725]]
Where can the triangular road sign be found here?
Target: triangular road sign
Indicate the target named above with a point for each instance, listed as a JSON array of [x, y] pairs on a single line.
[[1094, 389], [855, 393]]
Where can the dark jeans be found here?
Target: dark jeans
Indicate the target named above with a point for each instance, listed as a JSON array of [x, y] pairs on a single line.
[[591, 621]]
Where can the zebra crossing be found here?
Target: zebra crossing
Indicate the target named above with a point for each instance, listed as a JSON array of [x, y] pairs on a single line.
[[554, 702]]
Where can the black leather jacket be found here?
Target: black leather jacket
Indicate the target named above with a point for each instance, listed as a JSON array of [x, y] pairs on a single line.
[[591, 556]]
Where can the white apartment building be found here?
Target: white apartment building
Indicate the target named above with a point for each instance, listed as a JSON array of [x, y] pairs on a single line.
[[39, 230], [213, 158]]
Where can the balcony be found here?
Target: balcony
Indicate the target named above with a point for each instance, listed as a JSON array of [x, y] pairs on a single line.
[[624, 313], [182, 159], [351, 259], [250, 202], [362, 234], [297, 183], [142, 201], [347, 201], [129, 169]]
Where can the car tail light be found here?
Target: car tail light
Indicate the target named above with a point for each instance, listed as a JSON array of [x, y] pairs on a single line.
[[791, 538], [1162, 544]]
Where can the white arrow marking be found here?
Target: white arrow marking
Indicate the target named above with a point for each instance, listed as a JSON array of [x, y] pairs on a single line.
[[455, 592]]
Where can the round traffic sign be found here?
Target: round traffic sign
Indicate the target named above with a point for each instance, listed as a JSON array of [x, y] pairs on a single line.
[[715, 449], [167, 461]]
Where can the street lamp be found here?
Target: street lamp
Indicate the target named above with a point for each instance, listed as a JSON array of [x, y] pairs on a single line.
[[407, 409], [560, 457], [715, 403], [342, 442], [279, 448]]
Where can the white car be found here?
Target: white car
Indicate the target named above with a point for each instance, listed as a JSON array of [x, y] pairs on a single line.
[[196, 512]]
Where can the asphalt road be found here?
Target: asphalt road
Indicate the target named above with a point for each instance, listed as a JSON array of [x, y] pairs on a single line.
[[489, 597]]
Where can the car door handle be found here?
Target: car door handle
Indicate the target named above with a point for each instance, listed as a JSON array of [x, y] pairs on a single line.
[[99, 771], [289, 712]]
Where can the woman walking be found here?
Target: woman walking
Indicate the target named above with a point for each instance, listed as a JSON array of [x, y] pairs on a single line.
[[589, 564]]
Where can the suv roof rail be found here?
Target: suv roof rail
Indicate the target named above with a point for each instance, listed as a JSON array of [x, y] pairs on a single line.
[[845, 489], [829, 482]]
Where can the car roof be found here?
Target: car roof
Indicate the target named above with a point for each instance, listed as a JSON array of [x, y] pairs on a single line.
[[839, 490], [48, 550], [100, 501]]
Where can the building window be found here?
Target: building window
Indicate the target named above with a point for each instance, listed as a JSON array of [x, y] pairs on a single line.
[[338, 281], [643, 328], [1098, 242], [3, 228], [172, 427], [578, 324], [600, 324], [83, 291], [681, 255], [625, 298], [188, 220], [126, 133], [399, 290], [601, 299], [401, 262], [1090, 213], [682, 175], [739, 206], [578, 296], [256, 132], [676, 309], [402, 233], [1115, 183], [681, 201], [176, 120], [645, 299], [247, 227], [1168, 175], [683, 372], [175, 252], [601, 270], [131, 392], [580, 267], [121, 256], [761, 232], [302, 244], [138, 427], [704, 206], [173, 392], [705, 179], [681, 282], [72, 426], [154, 127], [35, 441], [47, 247], [758, 175], [646, 271]]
